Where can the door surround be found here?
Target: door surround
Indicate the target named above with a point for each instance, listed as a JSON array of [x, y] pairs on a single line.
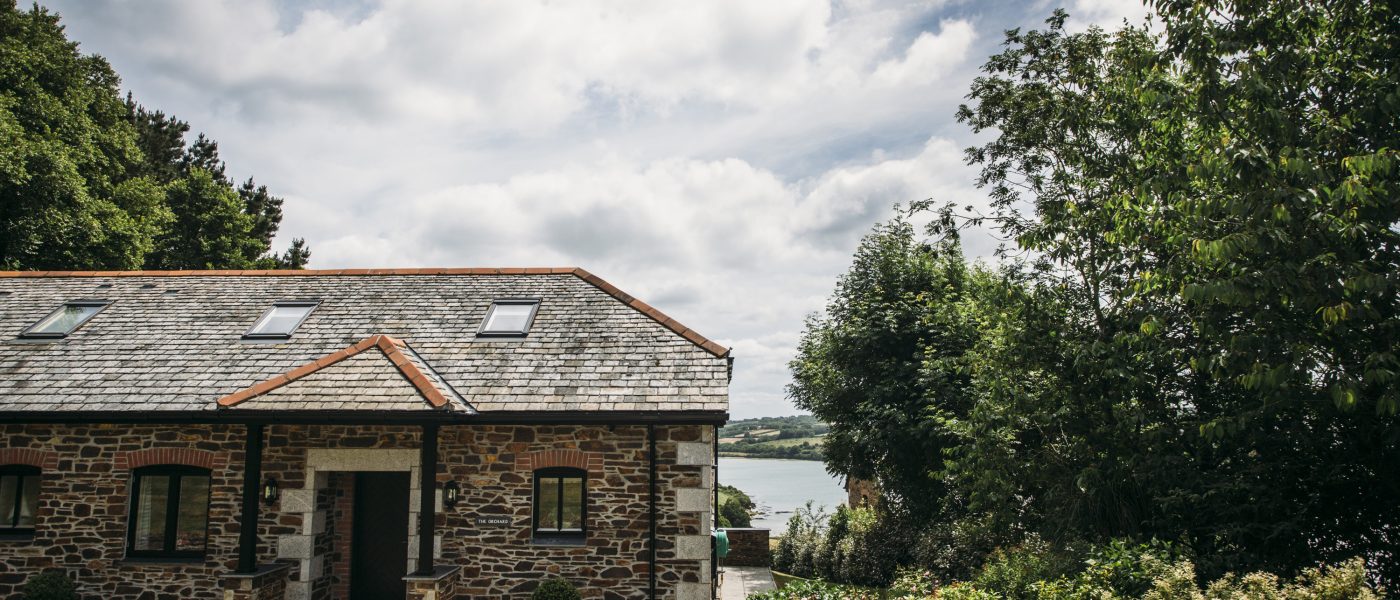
[[320, 463]]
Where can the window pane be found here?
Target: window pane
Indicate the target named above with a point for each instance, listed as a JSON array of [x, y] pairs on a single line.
[[150, 512], [66, 318], [29, 501], [194, 512], [281, 320], [573, 503], [509, 317], [548, 505], [8, 485]]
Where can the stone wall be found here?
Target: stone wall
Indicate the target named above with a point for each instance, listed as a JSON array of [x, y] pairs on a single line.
[[748, 547], [269, 582], [82, 518]]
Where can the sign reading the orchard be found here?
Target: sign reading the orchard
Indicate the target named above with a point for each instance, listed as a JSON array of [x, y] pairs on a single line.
[[492, 521]]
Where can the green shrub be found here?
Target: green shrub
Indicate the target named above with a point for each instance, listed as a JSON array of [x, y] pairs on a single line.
[[913, 583], [816, 590], [1344, 581], [1126, 569], [798, 548], [734, 514], [50, 585], [965, 591], [1018, 573], [555, 589], [738, 495]]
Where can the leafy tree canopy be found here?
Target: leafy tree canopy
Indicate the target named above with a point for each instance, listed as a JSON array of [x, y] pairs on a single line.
[[91, 181], [1194, 337]]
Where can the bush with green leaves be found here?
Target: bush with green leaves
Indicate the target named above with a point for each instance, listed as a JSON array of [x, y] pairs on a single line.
[[816, 590], [50, 585], [1019, 572], [798, 547], [733, 514], [556, 589]]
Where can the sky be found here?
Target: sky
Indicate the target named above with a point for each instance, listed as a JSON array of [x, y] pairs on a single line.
[[719, 160]]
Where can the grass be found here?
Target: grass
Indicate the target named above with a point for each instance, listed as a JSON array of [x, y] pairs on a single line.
[[815, 441]]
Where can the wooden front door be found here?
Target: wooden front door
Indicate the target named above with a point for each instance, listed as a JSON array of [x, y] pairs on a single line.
[[379, 544]]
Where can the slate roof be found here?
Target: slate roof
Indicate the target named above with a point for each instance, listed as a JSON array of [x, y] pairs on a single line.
[[385, 373], [172, 341]]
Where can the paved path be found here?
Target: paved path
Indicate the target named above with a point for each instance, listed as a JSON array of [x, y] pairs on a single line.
[[738, 582]]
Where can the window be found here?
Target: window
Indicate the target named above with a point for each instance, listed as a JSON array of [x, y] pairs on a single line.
[[282, 319], [67, 318], [511, 317], [19, 499], [560, 500], [169, 512]]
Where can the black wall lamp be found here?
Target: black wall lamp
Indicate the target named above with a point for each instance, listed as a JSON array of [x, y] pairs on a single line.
[[269, 491], [451, 492]]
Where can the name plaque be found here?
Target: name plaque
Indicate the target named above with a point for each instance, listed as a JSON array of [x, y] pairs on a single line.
[[492, 521]]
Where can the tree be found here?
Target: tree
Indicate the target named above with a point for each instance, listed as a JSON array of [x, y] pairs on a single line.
[[860, 366], [1194, 338], [71, 195], [296, 256], [210, 229], [1212, 213], [91, 181]]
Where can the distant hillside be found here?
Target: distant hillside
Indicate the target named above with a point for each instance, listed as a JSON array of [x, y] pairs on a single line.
[[796, 437]]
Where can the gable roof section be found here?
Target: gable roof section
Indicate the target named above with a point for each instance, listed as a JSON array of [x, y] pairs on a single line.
[[172, 343], [353, 378], [598, 282]]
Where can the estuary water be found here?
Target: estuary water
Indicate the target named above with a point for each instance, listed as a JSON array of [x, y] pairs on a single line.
[[780, 486]]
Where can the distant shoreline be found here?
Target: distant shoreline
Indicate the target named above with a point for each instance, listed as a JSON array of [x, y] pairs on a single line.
[[744, 455]]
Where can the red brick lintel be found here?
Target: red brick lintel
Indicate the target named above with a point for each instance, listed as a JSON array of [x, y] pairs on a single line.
[[42, 459], [598, 282], [578, 459], [171, 456]]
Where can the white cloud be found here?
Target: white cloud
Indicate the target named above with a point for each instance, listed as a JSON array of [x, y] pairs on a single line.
[[719, 159], [723, 246], [930, 57]]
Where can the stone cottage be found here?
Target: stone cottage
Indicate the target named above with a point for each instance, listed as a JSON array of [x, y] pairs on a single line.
[[406, 433]]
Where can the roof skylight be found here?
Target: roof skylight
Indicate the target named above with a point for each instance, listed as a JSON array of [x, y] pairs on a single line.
[[282, 319], [509, 317], [66, 319]]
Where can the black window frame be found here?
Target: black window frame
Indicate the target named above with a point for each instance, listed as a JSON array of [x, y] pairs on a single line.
[[99, 303], [9, 523], [559, 535], [172, 511], [309, 304], [533, 303]]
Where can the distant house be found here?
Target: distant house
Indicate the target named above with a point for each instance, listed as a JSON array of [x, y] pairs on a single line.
[[434, 433]]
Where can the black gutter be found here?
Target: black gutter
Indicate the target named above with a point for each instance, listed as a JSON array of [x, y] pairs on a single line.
[[651, 506], [426, 417], [252, 482], [427, 496]]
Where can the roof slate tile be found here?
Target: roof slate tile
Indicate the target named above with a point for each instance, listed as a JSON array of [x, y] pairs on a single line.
[[154, 351]]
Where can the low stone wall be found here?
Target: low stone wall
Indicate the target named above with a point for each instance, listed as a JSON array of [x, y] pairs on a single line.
[[269, 582], [440, 585], [748, 547]]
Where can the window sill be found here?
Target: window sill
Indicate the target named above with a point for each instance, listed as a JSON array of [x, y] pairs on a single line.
[[17, 536], [162, 560], [558, 540]]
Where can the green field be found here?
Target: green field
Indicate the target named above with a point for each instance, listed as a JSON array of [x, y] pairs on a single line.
[[815, 441]]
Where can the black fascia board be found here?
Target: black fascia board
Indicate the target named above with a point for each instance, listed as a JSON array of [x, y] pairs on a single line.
[[235, 416]]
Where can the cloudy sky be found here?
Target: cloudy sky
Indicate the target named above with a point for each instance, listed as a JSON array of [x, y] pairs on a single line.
[[718, 159]]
